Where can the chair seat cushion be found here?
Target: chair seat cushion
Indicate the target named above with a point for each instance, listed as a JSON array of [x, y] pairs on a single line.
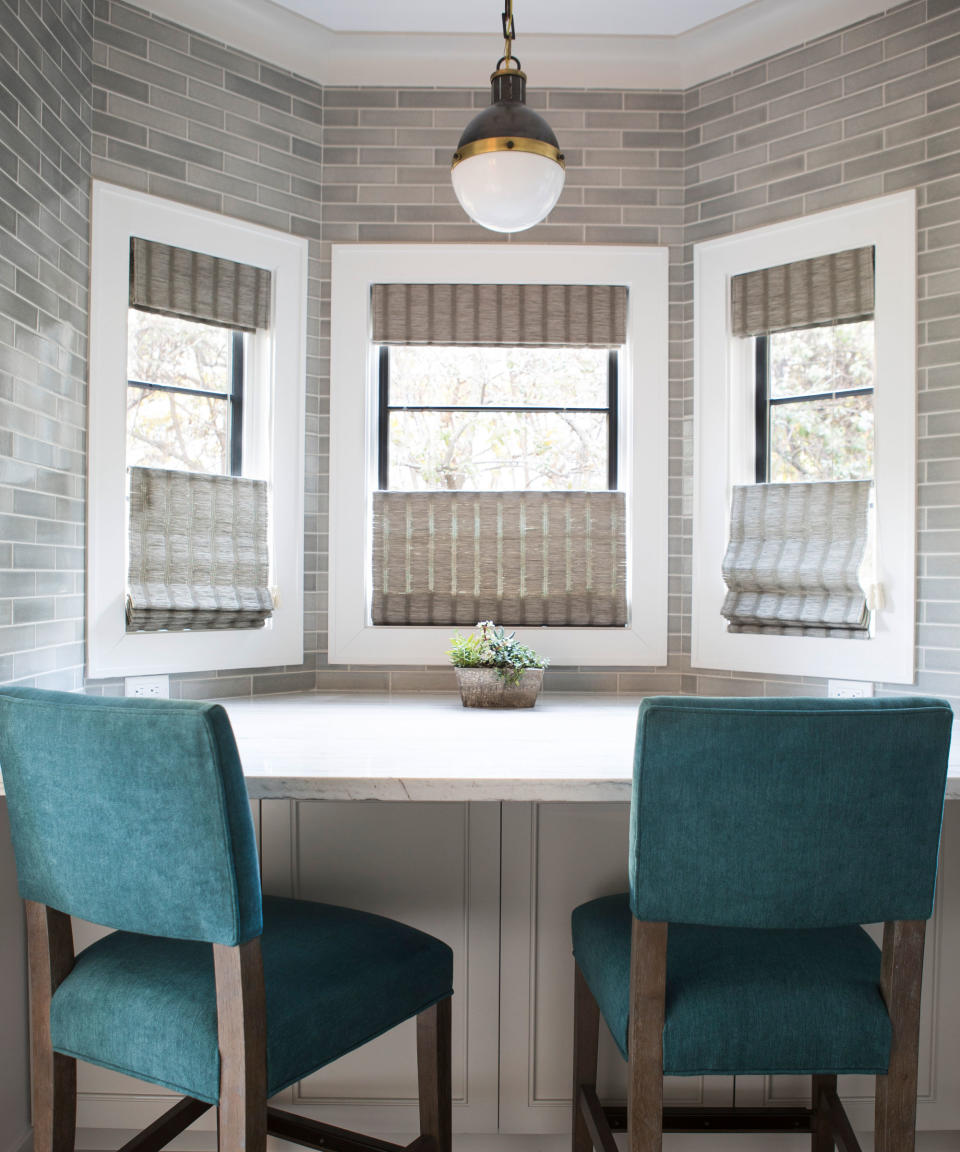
[[746, 1001], [335, 978]]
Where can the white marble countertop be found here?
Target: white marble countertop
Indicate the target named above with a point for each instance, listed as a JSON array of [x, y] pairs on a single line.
[[373, 746], [368, 746]]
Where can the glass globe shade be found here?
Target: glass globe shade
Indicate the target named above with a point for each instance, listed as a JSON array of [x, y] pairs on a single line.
[[507, 191]]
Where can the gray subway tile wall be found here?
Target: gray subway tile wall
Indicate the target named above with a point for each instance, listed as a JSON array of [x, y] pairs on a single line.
[[872, 108], [879, 132], [46, 55]]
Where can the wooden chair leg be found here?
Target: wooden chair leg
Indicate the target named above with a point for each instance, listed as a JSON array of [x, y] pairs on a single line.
[[902, 966], [242, 1034], [53, 1077], [586, 1034], [433, 1074], [821, 1136], [648, 986]]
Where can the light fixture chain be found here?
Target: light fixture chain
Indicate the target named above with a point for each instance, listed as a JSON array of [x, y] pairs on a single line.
[[509, 30]]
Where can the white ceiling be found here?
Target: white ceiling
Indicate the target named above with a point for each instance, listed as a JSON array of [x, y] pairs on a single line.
[[632, 44], [561, 17]]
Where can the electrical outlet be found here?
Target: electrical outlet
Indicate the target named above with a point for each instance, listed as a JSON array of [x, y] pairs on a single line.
[[156, 687], [849, 689]]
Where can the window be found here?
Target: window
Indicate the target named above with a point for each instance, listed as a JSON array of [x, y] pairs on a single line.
[[501, 419], [831, 402], [201, 401], [489, 418], [184, 394], [814, 403], [449, 417]]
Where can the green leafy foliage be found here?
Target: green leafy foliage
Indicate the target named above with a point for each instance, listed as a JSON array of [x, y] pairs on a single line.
[[493, 648]]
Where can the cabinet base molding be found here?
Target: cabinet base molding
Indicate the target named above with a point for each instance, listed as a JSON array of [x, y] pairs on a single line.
[[101, 1139]]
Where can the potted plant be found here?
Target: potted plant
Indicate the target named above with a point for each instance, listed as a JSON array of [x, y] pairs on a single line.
[[495, 670]]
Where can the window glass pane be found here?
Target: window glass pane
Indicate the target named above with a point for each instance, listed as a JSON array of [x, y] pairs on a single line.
[[183, 353], [176, 430], [826, 359], [498, 450], [822, 440], [557, 377]]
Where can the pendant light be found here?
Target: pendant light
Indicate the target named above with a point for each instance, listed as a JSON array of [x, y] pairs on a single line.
[[507, 170]]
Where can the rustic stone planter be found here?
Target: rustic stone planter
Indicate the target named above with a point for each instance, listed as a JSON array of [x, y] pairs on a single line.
[[484, 688]]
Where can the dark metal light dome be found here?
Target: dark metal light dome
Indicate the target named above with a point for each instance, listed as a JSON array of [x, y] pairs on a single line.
[[508, 169]]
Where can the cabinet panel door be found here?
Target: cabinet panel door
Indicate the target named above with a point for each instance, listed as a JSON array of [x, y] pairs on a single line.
[[554, 857], [432, 865]]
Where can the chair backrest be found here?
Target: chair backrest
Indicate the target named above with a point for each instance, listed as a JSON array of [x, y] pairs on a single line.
[[787, 813], [131, 813]]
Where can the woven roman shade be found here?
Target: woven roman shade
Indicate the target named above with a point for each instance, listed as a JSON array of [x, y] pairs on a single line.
[[520, 558], [198, 552], [793, 559], [178, 282], [832, 289], [507, 315]]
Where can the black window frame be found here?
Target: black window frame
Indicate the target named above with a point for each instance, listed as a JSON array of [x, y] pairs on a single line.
[[384, 408], [763, 401], [234, 396]]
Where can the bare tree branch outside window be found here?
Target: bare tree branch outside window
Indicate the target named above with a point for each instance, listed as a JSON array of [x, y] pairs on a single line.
[[176, 429], [498, 450]]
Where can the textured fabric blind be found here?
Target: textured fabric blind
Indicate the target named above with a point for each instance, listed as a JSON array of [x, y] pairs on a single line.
[[198, 552], [556, 558], [535, 315], [178, 282], [793, 559], [825, 290]]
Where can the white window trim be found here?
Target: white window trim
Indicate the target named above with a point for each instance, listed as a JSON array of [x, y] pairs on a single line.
[[280, 358], [724, 439], [643, 435]]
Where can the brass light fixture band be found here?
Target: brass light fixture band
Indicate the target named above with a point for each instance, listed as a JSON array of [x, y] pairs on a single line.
[[518, 71], [507, 144]]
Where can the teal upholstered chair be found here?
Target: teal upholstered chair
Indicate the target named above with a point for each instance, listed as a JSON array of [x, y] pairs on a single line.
[[133, 814], [763, 833]]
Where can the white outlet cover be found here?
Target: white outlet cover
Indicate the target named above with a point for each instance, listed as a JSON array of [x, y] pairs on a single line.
[[849, 689], [153, 687]]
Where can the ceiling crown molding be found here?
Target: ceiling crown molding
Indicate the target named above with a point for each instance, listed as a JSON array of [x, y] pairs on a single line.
[[286, 39]]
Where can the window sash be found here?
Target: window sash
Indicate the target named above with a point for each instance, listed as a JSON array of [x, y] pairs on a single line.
[[610, 410], [234, 398], [763, 402]]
